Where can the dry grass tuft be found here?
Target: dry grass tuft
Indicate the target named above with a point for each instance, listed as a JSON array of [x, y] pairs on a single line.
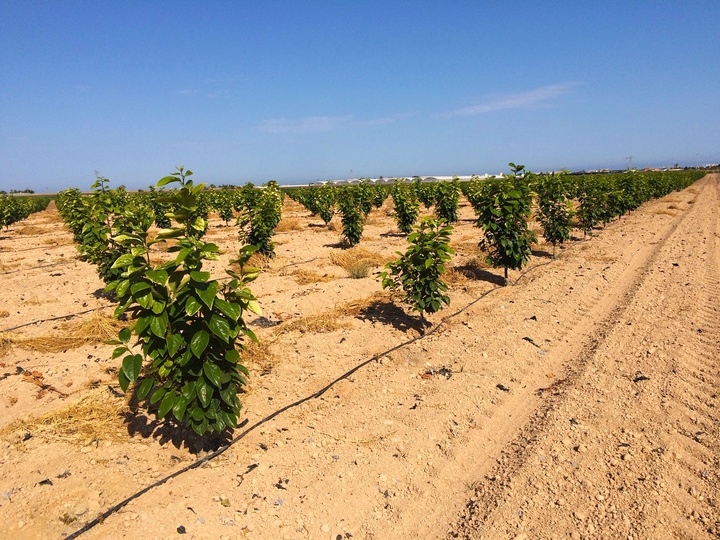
[[39, 302], [257, 260], [289, 224], [666, 212], [259, 354], [6, 341], [334, 226], [307, 277], [98, 416], [7, 267], [358, 261], [460, 275], [4, 313], [376, 218], [331, 320], [356, 307], [466, 247], [28, 230], [55, 241], [95, 328], [327, 321]]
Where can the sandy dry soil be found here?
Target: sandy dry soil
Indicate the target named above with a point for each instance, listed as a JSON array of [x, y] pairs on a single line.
[[580, 402]]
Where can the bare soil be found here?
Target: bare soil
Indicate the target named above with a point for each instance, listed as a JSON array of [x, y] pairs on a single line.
[[579, 402]]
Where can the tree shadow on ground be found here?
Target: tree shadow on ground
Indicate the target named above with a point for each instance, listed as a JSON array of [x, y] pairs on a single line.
[[541, 253], [386, 312], [338, 245], [480, 274], [178, 435], [264, 322], [138, 422], [102, 294], [393, 235]]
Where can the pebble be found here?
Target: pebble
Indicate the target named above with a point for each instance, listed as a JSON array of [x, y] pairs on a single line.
[[600, 497], [692, 491], [521, 536], [325, 528], [580, 516]]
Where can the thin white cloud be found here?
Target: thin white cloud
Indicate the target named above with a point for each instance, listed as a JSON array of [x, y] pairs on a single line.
[[309, 124], [539, 97], [188, 92], [322, 124]]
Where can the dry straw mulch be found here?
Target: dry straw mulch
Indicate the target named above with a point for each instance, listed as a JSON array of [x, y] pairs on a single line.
[[95, 328], [358, 261], [98, 416]]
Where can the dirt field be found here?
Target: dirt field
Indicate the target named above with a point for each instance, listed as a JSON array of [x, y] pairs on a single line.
[[580, 402]]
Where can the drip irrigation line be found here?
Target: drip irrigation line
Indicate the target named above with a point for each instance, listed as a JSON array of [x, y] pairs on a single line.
[[54, 318], [49, 246], [89, 525], [60, 263], [298, 263]]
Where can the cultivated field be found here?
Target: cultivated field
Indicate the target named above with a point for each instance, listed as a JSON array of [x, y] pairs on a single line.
[[579, 402]]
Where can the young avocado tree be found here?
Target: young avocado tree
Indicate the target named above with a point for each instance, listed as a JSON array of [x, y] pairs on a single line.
[[447, 200], [352, 214], [257, 223], [503, 208], [186, 325], [407, 206], [555, 209], [418, 271]]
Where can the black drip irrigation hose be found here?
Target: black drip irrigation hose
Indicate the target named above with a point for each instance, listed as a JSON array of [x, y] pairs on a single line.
[[59, 263], [89, 525], [70, 316]]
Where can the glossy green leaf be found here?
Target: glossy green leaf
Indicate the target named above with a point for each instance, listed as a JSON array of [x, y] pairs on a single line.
[[123, 380], [213, 373], [230, 310], [157, 276], [123, 260], [124, 335], [122, 288], [199, 342], [174, 341], [144, 388], [181, 403], [220, 327], [232, 356], [167, 403], [207, 293], [204, 392], [200, 277], [157, 395], [158, 325], [131, 366]]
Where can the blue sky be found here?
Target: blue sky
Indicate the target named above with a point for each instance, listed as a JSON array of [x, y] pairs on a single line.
[[306, 90]]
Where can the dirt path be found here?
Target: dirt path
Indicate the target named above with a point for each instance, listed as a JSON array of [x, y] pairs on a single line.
[[628, 446], [580, 402]]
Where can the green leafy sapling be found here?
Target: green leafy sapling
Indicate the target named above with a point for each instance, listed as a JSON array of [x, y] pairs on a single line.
[[503, 207], [555, 209], [416, 275], [187, 326]]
